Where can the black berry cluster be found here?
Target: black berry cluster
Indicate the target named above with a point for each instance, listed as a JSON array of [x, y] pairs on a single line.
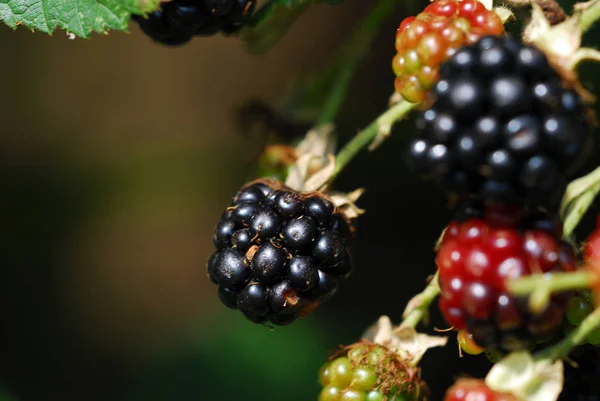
[[503, 126], [279, 253], [178, 21]]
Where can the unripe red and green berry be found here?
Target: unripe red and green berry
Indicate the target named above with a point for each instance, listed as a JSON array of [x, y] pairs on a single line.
[[424, 42], [477, 257], [370, 372], [475, 390]]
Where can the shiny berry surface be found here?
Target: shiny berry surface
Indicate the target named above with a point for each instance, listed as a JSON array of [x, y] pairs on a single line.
[[477, 257], [496, 128], [279, 253], [424, 42]]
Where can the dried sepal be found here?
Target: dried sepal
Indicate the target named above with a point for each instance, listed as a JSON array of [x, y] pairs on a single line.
[[346, 202], [312, 155], [527, 378], [405, 341]]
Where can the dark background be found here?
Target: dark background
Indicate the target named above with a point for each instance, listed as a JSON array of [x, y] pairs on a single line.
[[116, 158]]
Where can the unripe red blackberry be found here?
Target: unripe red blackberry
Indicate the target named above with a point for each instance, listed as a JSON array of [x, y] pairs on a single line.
[[477, 257], [425, 41], [503, 127], [475, 390], [370, 372], [280, 253]]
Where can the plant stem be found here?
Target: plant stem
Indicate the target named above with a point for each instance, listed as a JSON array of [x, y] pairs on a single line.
[[422, 302], [576, 337], [579, 209], [589, 15], [350, 57], [552, 282], [364, 137]]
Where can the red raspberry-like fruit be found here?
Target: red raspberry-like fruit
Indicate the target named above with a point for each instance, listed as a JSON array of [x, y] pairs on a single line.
[[591, 250], [591, 254], [427, 40], [475, 259], [472, 389]]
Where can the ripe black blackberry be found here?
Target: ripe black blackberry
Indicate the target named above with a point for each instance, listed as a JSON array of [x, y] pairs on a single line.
[[581, 381], [279, 253], [503, 126], [178, 21]]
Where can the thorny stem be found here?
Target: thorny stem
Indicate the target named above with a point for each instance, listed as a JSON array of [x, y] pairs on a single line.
[[346, 63], [422, 302], [576, 337], [589, 15], [364, 137]]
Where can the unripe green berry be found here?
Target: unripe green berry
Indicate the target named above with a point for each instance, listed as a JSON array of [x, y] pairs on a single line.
[[579, 308], [353, 395], [375, 396], [364, 379], [324, 376], [329, 393], [340, 372]]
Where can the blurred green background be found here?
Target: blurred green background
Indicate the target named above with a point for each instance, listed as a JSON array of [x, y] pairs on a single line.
[[116, 159]]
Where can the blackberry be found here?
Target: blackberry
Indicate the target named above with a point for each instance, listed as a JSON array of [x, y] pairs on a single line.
[[425, 41], [177, 21], [503, 127], [279, 253], [475, 259], [370, 372]]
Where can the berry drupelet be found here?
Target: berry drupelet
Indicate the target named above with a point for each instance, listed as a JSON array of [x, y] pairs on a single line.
[[425, 41], [503, 127], [178, 21], [280, 253], [478, 254]]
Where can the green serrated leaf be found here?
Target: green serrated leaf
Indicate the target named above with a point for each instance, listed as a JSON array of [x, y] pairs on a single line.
[[78, 17]]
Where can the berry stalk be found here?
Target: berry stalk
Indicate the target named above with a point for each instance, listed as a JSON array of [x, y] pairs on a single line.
[[364, 137], [539, 284], [350, 57], [575, 338], [421, 303]]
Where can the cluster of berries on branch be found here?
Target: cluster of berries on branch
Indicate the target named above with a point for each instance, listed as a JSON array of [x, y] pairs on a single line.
[[178, 21], [279, 253]]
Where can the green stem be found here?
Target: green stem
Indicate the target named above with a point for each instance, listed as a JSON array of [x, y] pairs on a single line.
[[364, 137], [552, 282], [423, 300], [575, 338], [589, 16], [579, 209], [350, 57]]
